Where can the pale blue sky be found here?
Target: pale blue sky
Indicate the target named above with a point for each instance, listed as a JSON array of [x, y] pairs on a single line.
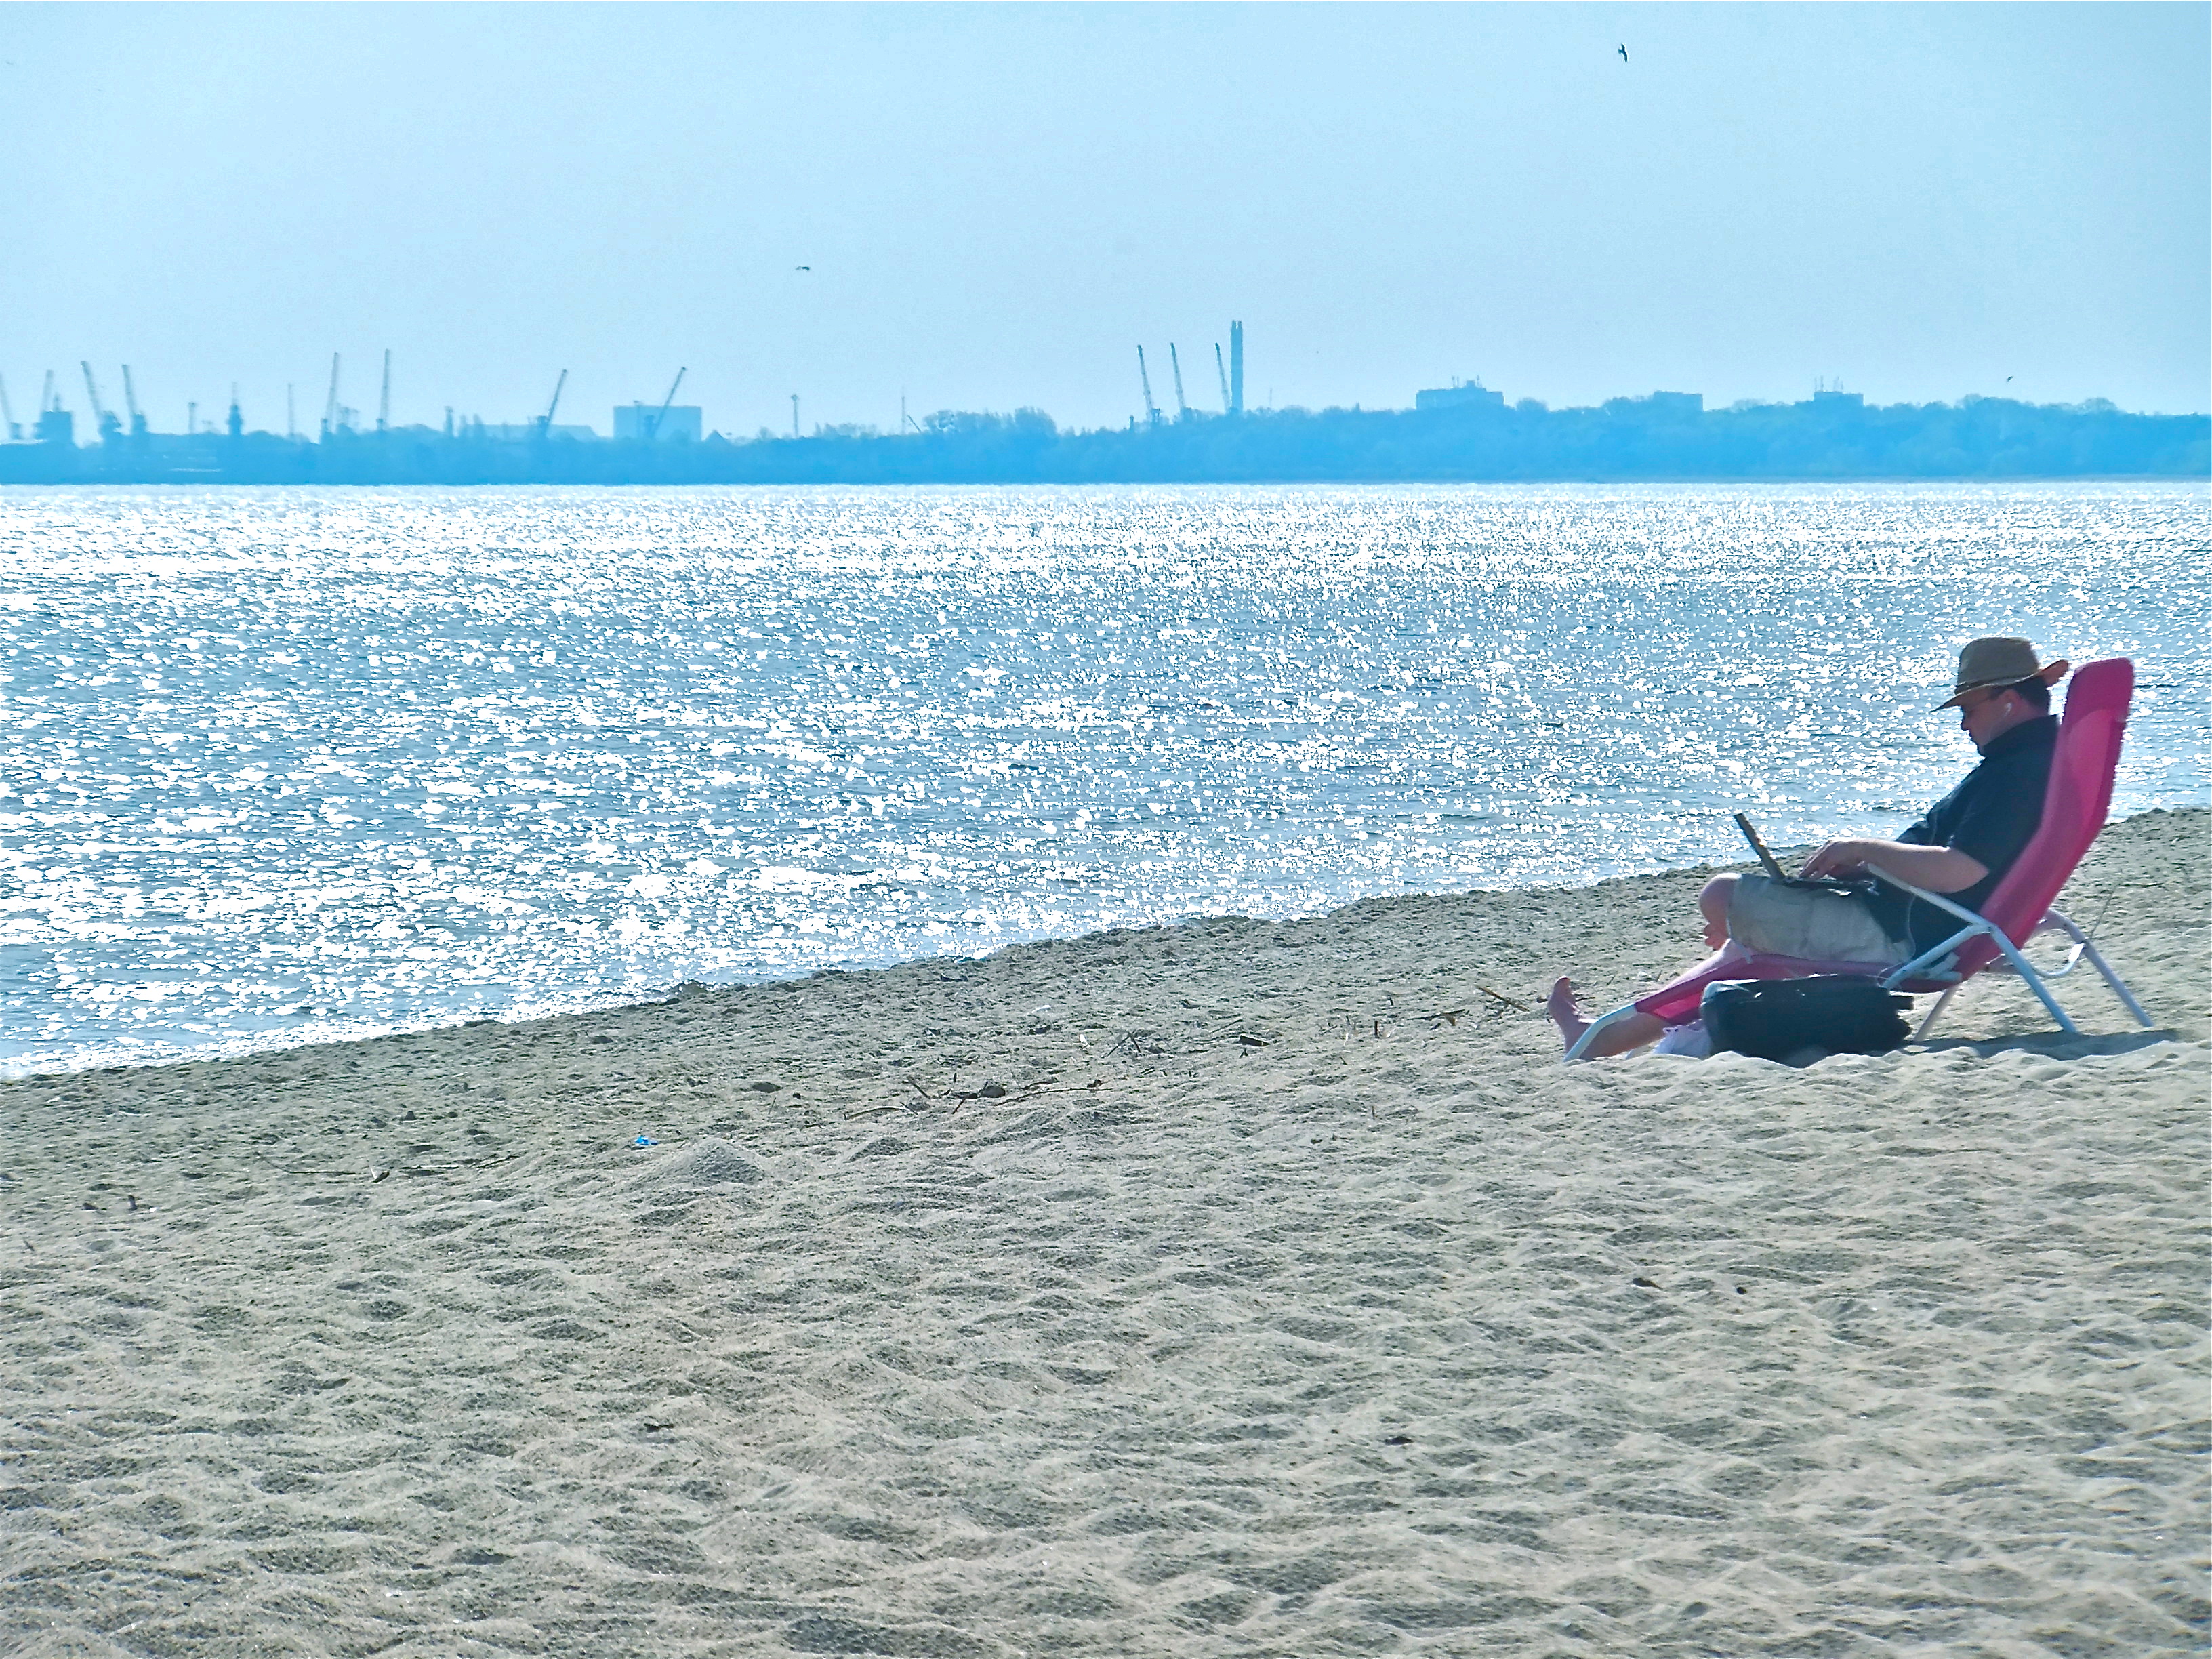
[[999, 202]]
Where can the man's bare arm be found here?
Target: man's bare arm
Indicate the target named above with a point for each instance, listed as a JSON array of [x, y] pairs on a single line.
[[1938, 869]]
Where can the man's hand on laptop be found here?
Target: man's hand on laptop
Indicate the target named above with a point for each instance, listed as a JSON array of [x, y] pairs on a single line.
[[1938, 869]]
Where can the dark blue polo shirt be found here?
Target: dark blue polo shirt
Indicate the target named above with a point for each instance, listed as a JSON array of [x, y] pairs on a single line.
[[1991, 818]]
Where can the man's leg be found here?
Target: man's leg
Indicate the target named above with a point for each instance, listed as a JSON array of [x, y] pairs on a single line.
[[1617, 1038], [1639, 1028]]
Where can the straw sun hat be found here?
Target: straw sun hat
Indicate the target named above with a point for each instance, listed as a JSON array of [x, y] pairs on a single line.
[[1998, 662]]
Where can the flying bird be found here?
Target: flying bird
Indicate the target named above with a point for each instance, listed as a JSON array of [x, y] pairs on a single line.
[[802, 267], [1624, 53]]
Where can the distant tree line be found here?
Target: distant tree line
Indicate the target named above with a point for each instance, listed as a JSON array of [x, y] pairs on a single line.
[[1831, 437]]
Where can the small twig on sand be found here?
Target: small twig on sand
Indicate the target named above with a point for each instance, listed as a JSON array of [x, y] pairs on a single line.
[[1520, 1007], [377, 1172]]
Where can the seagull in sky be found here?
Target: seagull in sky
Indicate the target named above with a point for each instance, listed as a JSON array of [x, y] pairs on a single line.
[[1624, 53], [802, 267]]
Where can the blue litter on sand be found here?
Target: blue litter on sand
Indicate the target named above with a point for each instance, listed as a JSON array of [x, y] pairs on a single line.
[[645, 1140]]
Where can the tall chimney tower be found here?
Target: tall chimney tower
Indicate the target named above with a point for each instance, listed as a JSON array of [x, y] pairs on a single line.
[[1235, 368]]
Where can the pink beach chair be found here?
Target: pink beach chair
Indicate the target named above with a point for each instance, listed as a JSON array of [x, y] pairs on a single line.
[[2074, 807]]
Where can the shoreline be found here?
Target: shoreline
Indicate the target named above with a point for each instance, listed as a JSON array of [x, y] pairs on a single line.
[[1231, 1286], [1669, 437], [278, 1044]]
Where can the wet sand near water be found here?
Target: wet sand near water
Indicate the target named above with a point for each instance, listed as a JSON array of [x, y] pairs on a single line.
[[1239, 1287]]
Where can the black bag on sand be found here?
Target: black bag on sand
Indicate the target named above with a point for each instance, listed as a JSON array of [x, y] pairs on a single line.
[[1770, 1018]]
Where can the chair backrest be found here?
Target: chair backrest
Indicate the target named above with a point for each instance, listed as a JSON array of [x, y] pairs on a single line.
[[2074, 803]]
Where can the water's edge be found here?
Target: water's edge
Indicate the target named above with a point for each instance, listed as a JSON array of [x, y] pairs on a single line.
[[285, 1042]]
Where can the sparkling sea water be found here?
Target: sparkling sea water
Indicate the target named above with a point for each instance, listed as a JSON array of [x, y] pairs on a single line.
[[286, 764]]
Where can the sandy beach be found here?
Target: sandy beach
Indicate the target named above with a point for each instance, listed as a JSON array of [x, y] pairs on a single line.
[[1238, 1287]]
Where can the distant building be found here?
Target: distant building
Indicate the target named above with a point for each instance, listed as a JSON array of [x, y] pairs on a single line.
[[680, 423], [57, 426], [1472, 395], [1836, 402], [1660, 405]]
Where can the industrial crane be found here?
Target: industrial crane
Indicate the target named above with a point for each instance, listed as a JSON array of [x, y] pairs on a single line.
[[7, 413], [331, 403], [1182, 409], [103, 417], [653, 431], [130, 401], [545, 426], [53, 427], [383, 397], [1151, 410], [1223, 373]]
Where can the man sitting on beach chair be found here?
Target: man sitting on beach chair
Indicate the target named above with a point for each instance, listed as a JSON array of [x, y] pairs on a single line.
[[1961, 848]]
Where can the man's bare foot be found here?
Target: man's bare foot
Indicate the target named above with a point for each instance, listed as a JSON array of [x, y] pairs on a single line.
[[1625, 1028], [1566, 1013]]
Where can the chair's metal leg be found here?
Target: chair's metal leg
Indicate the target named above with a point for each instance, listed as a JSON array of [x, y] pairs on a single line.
[[2020, 965], [2119, 990], [1589, 1034], [2053, 922], [2083, 948], [1936, 1013]]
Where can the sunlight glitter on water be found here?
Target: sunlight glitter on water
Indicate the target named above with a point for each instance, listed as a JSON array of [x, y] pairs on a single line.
[[281, 764]]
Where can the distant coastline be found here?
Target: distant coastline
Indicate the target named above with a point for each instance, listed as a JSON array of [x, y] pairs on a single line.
[[1477, 438]]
